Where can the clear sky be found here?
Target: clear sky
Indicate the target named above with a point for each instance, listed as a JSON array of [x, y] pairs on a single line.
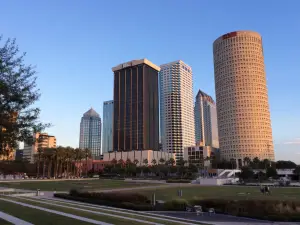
[[74, 44]]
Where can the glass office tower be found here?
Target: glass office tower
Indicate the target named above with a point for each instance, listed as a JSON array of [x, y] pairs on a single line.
[[107, 142], [90, 132], [136, 111]]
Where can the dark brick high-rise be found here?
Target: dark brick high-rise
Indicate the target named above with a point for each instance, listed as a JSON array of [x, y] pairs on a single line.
[[136, 112]]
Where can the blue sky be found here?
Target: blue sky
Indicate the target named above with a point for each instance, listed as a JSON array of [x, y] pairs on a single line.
[[74, 44]]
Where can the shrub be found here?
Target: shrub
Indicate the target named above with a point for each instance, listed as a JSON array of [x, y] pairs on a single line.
[[124, 205], [176, 204], [178, 181], [114, 196]]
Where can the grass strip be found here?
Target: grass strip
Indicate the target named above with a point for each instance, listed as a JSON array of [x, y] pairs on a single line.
[[36, 216], [4, 222]]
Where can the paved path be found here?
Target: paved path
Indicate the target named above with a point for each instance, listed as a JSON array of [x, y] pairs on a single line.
[[58, 213], [12, 219]]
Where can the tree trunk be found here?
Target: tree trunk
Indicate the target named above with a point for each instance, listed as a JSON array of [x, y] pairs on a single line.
[[49, 168], [44, 167]]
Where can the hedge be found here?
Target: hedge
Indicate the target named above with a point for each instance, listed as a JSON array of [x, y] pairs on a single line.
[[123, 205], [112, 196], [178, 181], [259, 209]]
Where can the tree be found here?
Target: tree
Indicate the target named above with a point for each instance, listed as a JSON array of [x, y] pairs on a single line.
[[255, 163], [233, 163], [18, 93], [247, 161], [135, 161], [162, 160], [145, 162], [246, 173], [281, 164], [87, 154], [271, 172], [171, 162], [154, 162], [297, 171]]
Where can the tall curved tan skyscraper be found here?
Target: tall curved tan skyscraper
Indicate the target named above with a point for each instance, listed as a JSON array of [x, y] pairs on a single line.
[[242, 97]]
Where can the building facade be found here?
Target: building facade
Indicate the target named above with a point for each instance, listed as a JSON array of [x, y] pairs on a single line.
[[206, 125], [38, 141], [242, 97], [140, 156], [176, 107], [107, 140], [201, 156], [90, 132], [136, 109]]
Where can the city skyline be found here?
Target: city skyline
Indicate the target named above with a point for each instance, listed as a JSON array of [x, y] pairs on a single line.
[[80, 57]]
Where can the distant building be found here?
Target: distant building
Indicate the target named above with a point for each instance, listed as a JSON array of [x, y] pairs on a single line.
[[139, 155], [242, 97], [206, 126], [201, 156], [107, 140], [38, 141], [90, 132], [136, 109], [176, 107]]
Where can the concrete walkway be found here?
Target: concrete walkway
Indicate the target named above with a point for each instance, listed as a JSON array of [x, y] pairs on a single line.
[[12, 219], [57, 212]]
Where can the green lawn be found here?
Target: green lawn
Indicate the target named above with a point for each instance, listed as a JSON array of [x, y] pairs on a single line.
[[67, 185], [223, 192], [36, 216], [4, 222]]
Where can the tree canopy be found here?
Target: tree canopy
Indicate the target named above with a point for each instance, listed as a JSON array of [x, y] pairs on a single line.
[[19, 118]]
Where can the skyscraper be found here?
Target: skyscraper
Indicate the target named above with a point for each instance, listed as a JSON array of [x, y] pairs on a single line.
[[107, 141], [242, 97], [90, 132], [176, 107], [206, 126], [136, 111]]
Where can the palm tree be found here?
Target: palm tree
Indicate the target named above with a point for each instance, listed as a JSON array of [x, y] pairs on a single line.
[[233, 163], [128, 162], [114, 162], [162, 160], [256, 162], [171, 162], [39, 156], [88, 154], [266, 163], [145, 162], [153, 162], [247, 161], [135, 161]]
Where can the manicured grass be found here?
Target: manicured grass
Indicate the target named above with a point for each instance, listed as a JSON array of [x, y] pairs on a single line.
[[69, 184], [223, 192], [36, 216], [4, 222], [103, 218]]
